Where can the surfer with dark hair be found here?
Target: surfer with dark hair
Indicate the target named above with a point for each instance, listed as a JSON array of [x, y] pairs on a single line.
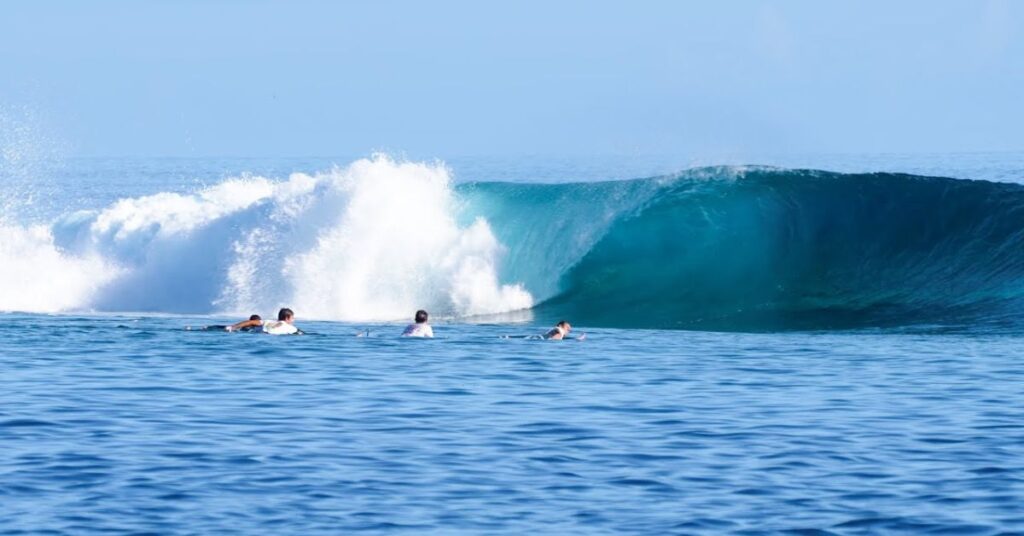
[[283, 325], [421, 328], [247, 325], [557, 333]]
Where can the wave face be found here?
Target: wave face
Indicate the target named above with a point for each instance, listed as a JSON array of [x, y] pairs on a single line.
[[768, 249], [712, 248]]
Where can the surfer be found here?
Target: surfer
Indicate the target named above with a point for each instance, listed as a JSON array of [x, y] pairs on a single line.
[[283, 325], [421, 328], [558, 332], [247, 325]]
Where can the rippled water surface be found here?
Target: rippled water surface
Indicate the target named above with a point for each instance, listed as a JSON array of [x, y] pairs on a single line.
[[132, 425]]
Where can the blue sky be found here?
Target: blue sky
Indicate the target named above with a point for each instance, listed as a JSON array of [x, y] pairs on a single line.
[[443, 79]]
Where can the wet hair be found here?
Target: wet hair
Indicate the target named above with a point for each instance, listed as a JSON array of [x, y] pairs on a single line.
[[562, 323], [255, 317], [421, 316], [285, 313]]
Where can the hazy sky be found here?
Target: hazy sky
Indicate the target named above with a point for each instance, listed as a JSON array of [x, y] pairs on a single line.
[[298, 78]]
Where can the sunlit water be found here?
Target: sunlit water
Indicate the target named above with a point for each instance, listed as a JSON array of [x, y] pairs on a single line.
[[126, 424]]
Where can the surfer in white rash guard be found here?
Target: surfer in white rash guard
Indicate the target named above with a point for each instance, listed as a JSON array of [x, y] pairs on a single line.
[[421, 328], [558, 332], [283, 325]]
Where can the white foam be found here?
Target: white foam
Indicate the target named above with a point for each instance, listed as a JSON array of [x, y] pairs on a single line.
[[394, 247], [376, 240], [171, 213], [36, 276]]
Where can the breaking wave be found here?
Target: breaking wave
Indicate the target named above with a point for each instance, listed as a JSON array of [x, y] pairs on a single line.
[[715, 248], [373, 241]]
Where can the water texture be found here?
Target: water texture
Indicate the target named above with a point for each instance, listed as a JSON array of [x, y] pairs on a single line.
[[130, 425]]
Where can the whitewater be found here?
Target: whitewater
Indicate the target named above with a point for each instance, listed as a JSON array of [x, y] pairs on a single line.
[[371, 241]]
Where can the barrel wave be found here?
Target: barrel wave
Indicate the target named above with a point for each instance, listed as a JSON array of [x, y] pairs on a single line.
[[720, 248], [769, 249]]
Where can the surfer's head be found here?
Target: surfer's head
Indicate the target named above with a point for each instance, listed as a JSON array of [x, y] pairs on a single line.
[[421, 317], [566, 327], [255, 317], [285, 315]]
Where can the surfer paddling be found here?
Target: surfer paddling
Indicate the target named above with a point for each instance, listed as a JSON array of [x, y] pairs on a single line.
[[561, 331], [558, 332], [283, 325], [420, 328], [255, 321]]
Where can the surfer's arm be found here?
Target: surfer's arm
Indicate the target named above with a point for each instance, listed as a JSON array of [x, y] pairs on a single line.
[[245, 324]]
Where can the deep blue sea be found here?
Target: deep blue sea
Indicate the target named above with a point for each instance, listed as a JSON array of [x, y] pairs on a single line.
[[806, 345]]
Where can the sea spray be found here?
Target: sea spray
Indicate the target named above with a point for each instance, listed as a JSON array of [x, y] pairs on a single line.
[[375, 240], [386, 244], [29, 158], [38, 276]]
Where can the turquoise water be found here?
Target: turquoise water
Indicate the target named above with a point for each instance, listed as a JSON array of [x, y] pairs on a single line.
[[842, 354], [765, 249]]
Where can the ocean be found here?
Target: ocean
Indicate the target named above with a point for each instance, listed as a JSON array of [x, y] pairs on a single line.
[[800, 344]]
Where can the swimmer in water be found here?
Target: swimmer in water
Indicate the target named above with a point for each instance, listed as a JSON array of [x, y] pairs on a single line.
[[558, 332], [421, 328], [283, 325], [246, 325]]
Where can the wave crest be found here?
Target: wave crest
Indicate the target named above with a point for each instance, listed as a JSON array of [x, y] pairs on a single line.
[[373, 241]]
